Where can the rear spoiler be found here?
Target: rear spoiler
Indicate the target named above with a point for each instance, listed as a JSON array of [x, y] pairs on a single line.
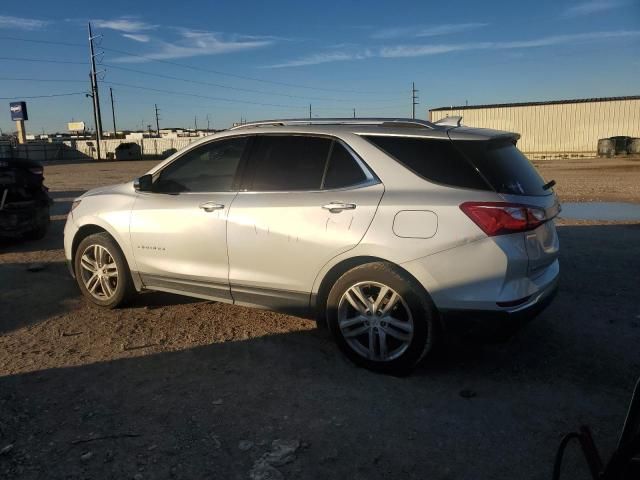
[[455, 121], [481, 134]]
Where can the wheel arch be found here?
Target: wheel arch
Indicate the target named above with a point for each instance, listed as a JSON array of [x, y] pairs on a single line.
[[92, 228], [82, 233], [319, 299]]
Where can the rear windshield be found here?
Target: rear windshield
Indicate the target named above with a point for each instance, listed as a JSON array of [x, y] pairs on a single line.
[[504, 166], [434, 160]]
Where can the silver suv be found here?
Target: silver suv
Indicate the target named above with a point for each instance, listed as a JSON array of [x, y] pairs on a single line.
[[388, 231]]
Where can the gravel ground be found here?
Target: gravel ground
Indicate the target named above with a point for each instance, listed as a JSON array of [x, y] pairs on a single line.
[[594, 179], [172, 387]]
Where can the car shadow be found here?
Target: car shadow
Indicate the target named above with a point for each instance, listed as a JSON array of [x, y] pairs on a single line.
[[34, 292], [213, 411]]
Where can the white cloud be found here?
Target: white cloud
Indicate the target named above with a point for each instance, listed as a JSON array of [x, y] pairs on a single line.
[[137, 37], [407, 51], [125, 24], [189, 43], [22, 23], [328, 57], [423, 50], [401, 51], [194, 43], [593, 6], [430, 31]]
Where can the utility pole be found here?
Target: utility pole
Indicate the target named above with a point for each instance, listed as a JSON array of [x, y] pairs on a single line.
[[208, 123], [354, 113], [95, 115], [157, 121], [113, 113], [94, 91], [195, 123], [309, 110], [414, 98]]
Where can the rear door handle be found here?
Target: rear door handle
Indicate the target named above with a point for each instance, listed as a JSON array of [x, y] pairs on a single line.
[[337, 207], [211, 206]]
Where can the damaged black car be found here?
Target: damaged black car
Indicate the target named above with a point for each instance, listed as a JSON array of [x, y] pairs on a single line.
[[24, 200]]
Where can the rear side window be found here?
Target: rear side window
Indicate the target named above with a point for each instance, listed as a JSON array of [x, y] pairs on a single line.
[[209, 168], [434, 160], [343, 170], [504, 166], [287, 163]]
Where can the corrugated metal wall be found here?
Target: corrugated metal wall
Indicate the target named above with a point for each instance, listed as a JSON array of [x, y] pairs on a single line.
[[567, 128]]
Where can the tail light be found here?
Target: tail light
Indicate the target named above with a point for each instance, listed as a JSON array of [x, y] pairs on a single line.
[[500, 218]]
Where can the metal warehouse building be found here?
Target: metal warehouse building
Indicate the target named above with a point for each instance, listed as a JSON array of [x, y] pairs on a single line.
[[562, 127]]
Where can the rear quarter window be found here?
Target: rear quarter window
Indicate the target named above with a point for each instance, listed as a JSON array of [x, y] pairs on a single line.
[[432, 159]]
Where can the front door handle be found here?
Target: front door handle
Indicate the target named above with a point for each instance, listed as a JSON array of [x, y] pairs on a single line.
[[211, 206], [337, 207]]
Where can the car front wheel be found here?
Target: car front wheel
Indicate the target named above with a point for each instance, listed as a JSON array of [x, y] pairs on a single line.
[[102, 272], [381, 318]]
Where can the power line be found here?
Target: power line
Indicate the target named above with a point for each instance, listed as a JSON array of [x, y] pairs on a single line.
[[42, 60], [221, 99], [193, 67], [44, 96], [43, 80], [220, 85], [170, 77], [234, 75], [48, 42]]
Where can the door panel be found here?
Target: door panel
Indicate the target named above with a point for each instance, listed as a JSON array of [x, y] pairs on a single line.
[[178, 230], [280, 240], [181, 240]]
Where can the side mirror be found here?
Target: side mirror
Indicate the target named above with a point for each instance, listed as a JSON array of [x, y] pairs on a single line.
[[144, 183]]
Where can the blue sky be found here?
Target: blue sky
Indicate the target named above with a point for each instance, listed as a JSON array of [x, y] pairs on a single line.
[[272, 59]]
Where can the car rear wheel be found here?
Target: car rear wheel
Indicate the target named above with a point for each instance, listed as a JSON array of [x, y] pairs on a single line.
[[381, 318], [102, 272]]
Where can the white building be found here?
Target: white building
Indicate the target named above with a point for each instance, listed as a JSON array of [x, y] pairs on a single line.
[[560, 127]]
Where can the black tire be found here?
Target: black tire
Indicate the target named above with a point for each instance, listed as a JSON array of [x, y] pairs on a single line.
[[124, 288], [42, 226], [413, 297]]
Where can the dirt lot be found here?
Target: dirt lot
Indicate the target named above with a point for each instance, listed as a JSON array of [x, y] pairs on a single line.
[[594, 179], [177, 388]]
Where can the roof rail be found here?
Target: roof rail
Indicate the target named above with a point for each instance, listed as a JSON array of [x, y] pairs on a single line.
[[385, 122]]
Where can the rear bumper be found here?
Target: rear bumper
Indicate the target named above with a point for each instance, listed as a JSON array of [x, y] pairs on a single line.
[[496, 325]]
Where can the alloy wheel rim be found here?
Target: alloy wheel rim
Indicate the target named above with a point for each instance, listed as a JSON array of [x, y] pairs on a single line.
[[375, 321], [99, 272]]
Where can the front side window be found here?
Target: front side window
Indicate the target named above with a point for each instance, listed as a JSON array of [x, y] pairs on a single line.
[[286, 163], [208, 168]]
